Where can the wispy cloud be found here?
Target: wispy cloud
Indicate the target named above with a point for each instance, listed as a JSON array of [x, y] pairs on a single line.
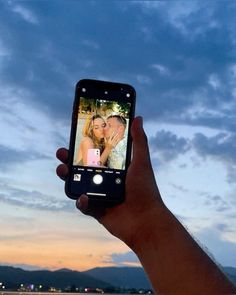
[[214, 81], [217, 202], [29, 128], [25, 13], [33, 200], [163, 70]]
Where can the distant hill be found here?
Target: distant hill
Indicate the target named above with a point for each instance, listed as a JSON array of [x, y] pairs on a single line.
[[128, 277], [60, 279], [135, 277], [99, 277]]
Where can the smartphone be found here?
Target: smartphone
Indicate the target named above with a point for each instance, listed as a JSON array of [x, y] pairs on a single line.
[[93, 157], [100, 141]]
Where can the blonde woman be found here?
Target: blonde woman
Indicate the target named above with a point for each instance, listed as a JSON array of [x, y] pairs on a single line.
[[93, 138]]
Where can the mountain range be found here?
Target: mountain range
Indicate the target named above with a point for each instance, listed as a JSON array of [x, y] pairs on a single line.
[[100, 277]]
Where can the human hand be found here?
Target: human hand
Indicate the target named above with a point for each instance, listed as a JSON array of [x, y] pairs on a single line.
[[112, 141], [142, 199]]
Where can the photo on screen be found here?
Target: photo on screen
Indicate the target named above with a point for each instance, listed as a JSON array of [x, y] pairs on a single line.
[[102, 132]]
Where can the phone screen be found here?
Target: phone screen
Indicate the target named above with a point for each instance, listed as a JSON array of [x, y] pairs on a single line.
[[100, 144]]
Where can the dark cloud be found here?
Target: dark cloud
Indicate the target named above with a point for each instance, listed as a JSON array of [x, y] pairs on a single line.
[[225, 120], [168, 145], [114, 41], [221, 146], [10, 157]]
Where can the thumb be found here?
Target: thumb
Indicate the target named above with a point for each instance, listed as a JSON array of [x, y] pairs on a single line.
[[140, 142]]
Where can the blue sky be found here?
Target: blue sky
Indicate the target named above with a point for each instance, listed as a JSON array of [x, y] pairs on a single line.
[[179, 56]]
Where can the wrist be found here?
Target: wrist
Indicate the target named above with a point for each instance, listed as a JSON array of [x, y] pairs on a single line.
[[155, 222], [108, 146]]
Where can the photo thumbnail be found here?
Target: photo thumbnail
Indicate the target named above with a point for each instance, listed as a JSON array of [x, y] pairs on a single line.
[[102, 132]]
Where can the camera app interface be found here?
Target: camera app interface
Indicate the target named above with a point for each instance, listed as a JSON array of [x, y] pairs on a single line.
[[102, 132]]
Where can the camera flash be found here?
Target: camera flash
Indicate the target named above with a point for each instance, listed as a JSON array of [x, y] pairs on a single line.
[[83, 89], [106, 92], [127, 94]]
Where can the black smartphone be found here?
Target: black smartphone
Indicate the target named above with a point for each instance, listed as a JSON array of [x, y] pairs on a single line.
[[100, 141]]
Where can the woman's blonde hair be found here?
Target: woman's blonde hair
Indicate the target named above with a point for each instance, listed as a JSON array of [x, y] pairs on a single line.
[[88, 132]]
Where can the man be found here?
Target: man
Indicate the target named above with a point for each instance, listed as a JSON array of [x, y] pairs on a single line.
[[115, 126], [173, 261]]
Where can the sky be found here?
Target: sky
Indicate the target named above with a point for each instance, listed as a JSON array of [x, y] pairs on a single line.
[[180, 56]]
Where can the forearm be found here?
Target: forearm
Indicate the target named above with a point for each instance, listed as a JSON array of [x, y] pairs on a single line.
[[105, 154], [174, 262]]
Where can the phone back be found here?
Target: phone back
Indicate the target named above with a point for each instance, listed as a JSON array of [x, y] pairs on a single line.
[[93, 157]]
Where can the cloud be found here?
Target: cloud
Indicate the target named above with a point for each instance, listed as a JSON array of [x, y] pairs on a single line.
[[223, 250], [214, 81], [180, 57], [180, 188], [167, 145], [216, 202], [33, 199], [171, 72], [190, 18], [10, 157], [123, 259], [25, 14], [28, 132], [220, 147], [161, 69]]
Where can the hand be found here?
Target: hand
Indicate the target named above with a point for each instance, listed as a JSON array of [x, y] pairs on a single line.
[[142, 197], [112, 141]]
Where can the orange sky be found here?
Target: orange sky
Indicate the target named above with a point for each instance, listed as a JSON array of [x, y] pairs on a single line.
[[56, 240]]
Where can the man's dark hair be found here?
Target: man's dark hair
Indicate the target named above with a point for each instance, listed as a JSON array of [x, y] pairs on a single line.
[[120, 118]]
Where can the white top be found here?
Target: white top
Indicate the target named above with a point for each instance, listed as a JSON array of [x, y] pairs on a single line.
[[116, 158]]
